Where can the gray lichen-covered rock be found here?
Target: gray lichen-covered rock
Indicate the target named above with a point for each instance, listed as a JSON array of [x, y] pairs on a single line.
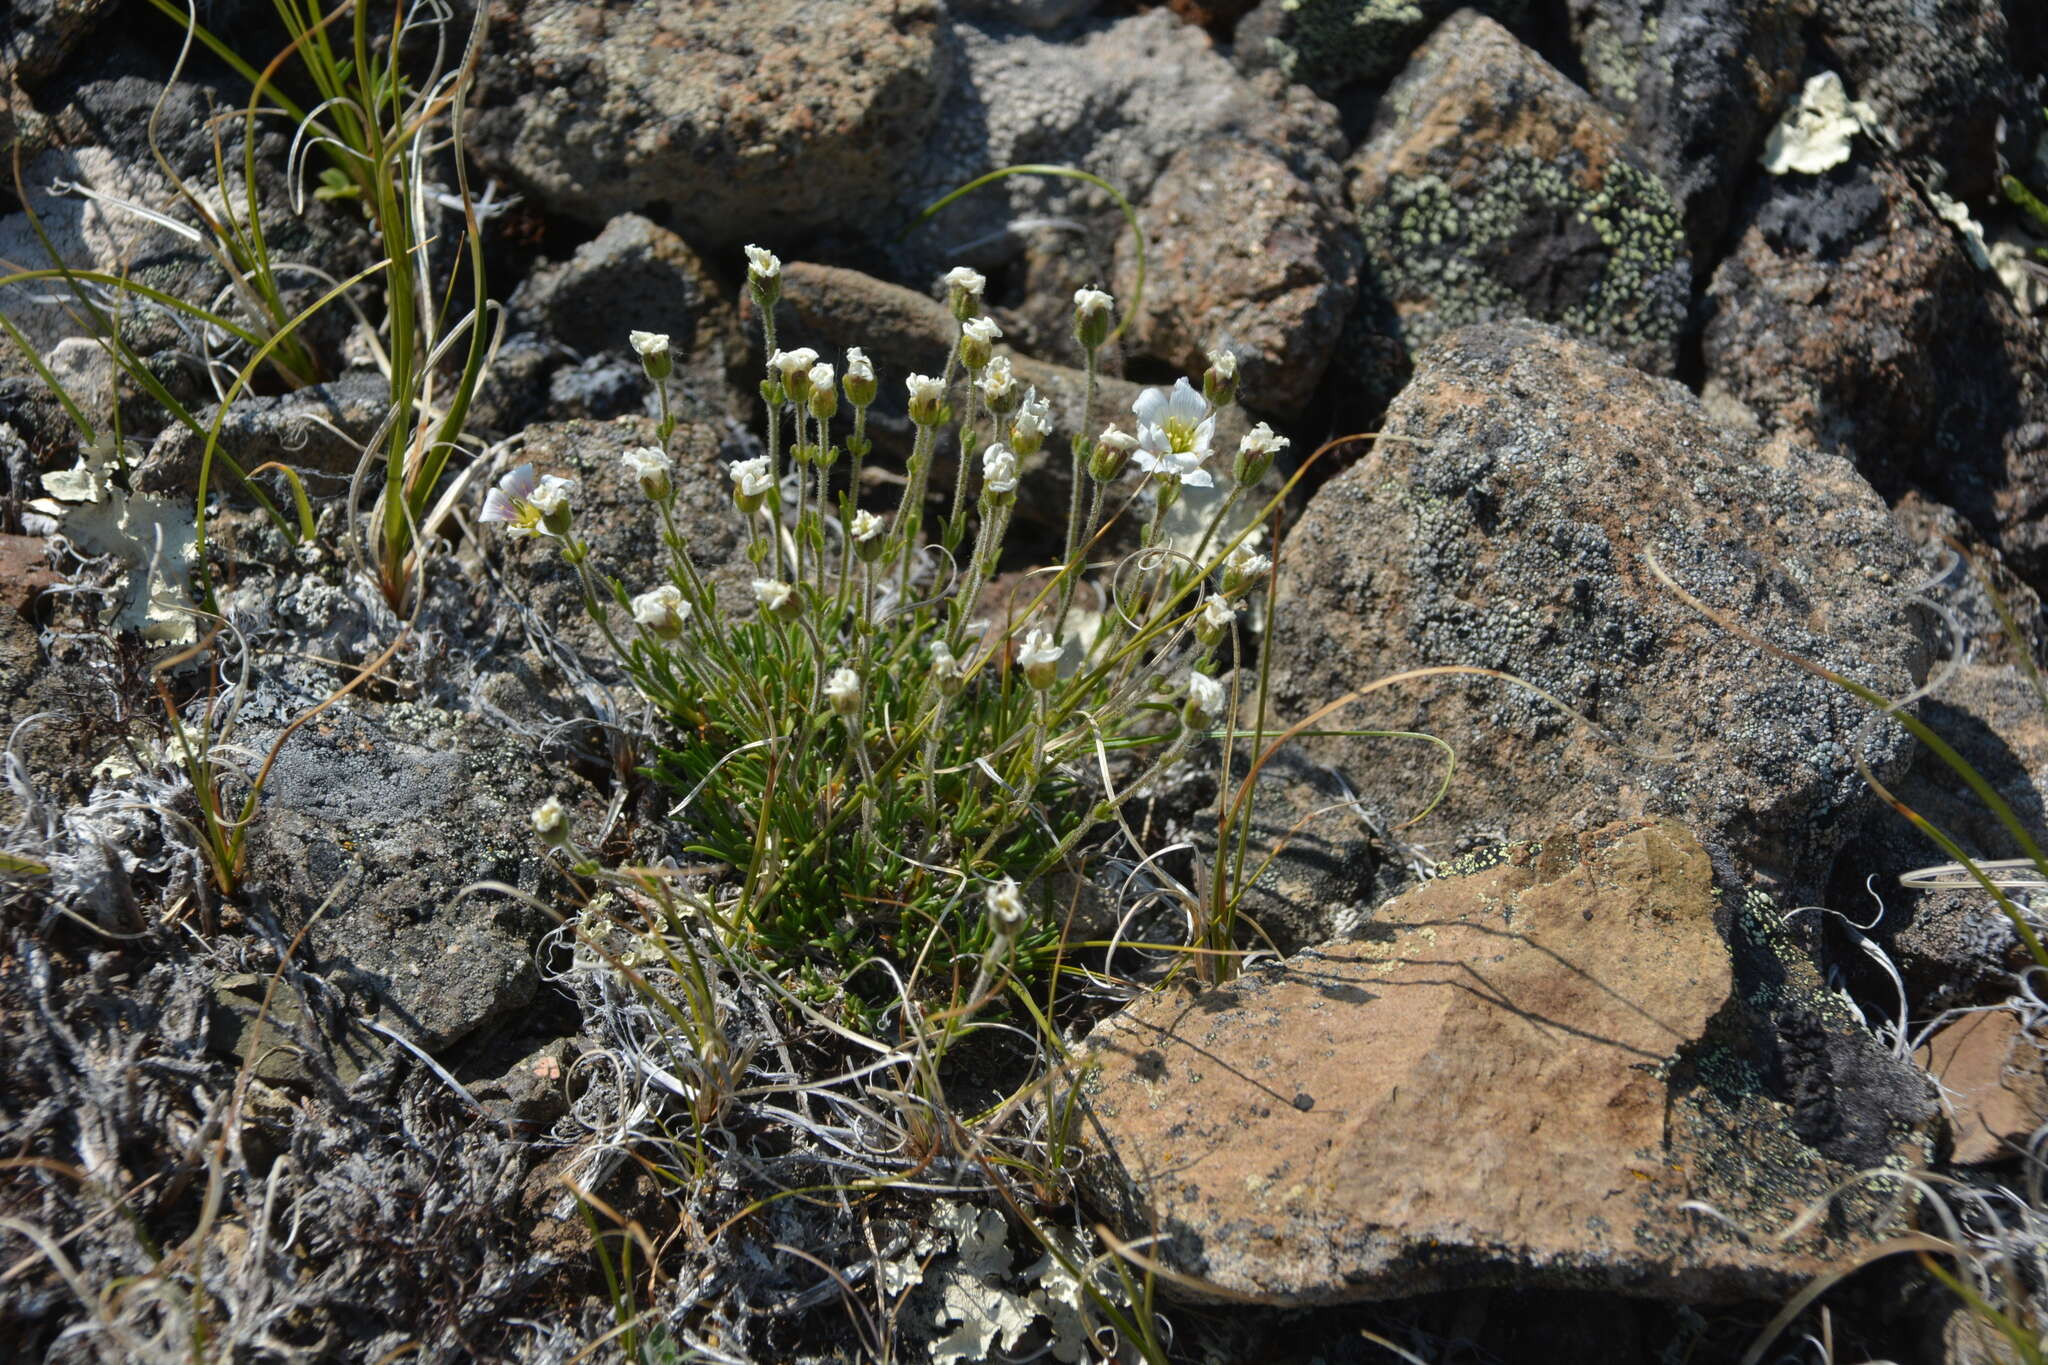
[[1697, 84], [1331, 44], [1521, 1077], [1492, 187], [1506, 527], [1850, 317], [372, 824], [731, 122], [38, 35], [322, 428]]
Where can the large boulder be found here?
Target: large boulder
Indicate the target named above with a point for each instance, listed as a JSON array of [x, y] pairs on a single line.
[[1334, 45], [733, 122], [1492, 187], [1526, 1075], [1507, 522]]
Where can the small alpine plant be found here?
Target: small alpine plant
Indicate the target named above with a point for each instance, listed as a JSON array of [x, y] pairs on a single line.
[[890, 758]]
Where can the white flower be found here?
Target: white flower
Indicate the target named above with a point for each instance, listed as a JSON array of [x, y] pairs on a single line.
[[550, 504], [927, 398], [793, 366], [774, 596], [1112, 452], [1217, 615], [762, 263], [1205, 700], [751, 478], [1039, 656], [999, 470], [998, 383], [866, 526], [982, 329], [510, 501], [842, 690], [858, 366], [1255, 454], [652, 469], [661, 612], [1092, 303], [962, 280], [649, 343], [1032, 424], [821, 376], [1224, 362], [551, 823], [1175, 434], [1244, 567], [1007, 914]]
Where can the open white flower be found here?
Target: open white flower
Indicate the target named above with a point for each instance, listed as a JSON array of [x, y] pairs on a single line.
[[999, 385], [652, 469], [842, 691], [551, 823], [1039, 656], [1032, 424], [775, 597], [751, 477], [649, 343], [866, 526], [762, 263], [999, 470], [661, 612], [1176, 434], [510, 502]]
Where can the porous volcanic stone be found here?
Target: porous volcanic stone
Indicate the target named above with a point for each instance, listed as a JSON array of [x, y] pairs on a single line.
[[1506, 528], [1850, 317], [372, 824], [623, 529], [1332, 44], [1492, 187], [1520, 1078], [730, 122], [1242, 252], [1697, 84]]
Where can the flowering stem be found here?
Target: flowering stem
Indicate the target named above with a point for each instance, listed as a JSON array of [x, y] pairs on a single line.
[[1074, 494]]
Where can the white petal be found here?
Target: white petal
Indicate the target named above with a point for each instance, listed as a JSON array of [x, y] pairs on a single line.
[[1150, 406]]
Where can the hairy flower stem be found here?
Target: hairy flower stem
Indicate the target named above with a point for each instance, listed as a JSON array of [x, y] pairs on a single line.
[[956, 519], [1079, 444]]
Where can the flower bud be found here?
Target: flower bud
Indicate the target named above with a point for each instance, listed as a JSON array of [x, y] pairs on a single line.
[[947, 671], [551, 501], [1245, 567], [1205, 702], [1112, 452], [998, 472], [1255, 455], [824, 397], [1039, 656], [1031, 426], [764, 277], [977, 342], [927, 400], [860, 378], [866, 532], [551, 823], [1007, 913], [653, 470], [776, 598], [661, 612], [1214, 619], [751, 483], [842, 690], [963, 292], [999, 387], [654, 355], [1219, 384], [1092, 310]]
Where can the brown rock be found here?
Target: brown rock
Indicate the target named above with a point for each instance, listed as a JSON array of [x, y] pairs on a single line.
[[1507, 528], [1522, 1077], [1989, 1066], [742, 121], [25, 570], [1850, 318], [1243, 252], [1492, 187]]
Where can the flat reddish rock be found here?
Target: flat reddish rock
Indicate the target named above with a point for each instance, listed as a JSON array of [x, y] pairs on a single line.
[[1524, 1077]]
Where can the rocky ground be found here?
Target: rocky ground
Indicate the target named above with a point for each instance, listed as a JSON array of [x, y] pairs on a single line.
[[1700, 333]]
